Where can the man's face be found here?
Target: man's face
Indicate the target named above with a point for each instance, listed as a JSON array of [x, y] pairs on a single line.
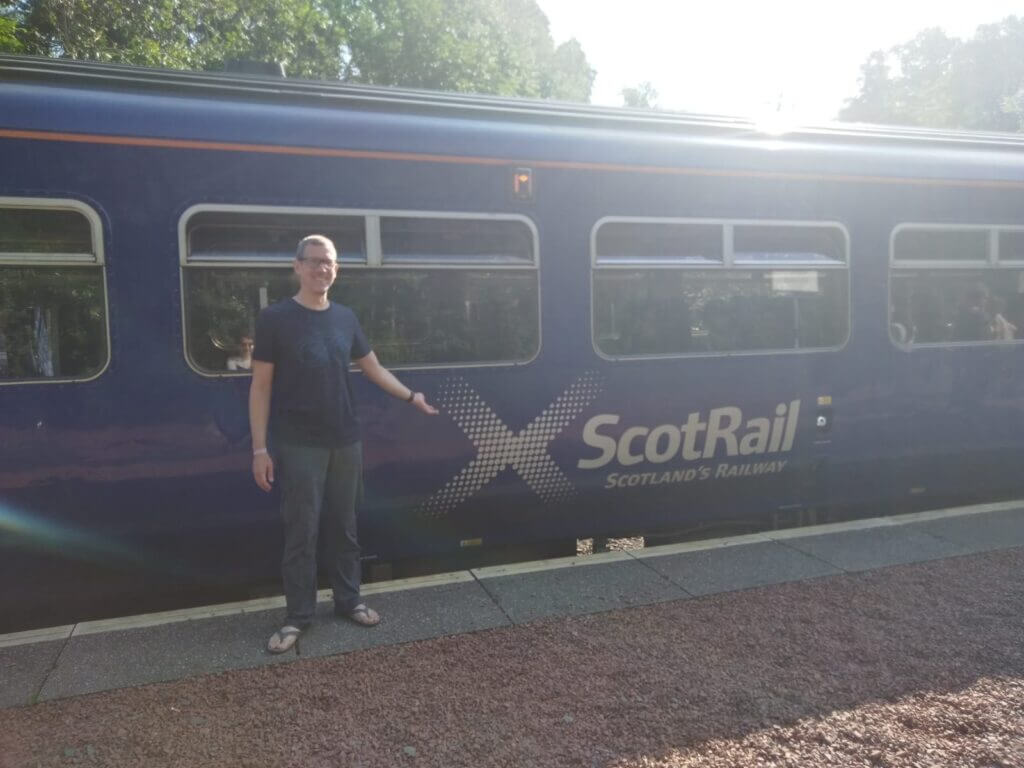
[[317, 268]]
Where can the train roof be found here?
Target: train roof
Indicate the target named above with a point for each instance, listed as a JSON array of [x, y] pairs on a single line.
[[278, 90]]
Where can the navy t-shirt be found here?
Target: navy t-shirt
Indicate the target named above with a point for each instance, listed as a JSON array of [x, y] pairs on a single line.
[[311, 399]]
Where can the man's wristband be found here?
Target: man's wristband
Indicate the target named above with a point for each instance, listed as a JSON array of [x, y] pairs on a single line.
[[411, 397], [260, 452]]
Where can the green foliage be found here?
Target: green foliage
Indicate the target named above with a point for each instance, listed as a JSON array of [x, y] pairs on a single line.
[[486, 46], [942, 82], [568, 76], [411, 316], [643, 96], [9, 42], [185, 34], [74, 304]]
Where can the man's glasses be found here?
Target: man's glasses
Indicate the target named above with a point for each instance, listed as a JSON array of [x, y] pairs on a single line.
[[318, 263]]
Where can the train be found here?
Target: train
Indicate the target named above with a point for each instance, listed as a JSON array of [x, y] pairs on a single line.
[[635, 323]]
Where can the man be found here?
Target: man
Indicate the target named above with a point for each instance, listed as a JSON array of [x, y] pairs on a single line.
[[301, 391]]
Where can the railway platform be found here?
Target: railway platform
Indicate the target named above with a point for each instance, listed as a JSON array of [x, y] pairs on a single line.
[[95, 656]]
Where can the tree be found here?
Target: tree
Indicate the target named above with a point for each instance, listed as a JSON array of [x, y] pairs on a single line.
[[9, 42], [184, 34], [938, 81], [1014, 106], [487, 46], [642, 96], [568, 76]]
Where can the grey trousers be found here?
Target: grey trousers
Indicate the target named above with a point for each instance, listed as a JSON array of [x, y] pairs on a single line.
[[320, 490]]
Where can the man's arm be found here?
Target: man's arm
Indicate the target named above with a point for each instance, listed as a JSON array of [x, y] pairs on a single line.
[[386, 380], [259, 416]]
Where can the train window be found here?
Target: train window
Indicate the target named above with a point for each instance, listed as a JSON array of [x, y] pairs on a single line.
[[230, 236], [45, 232], [949, 285], [778, 287], [429, 291], [445, 316], [942, 306], [657, 313], [788, 245], [412, 317], [53, 305], [409, 240], [941, 245], [633, 242], [1011, 245], [952, 284]]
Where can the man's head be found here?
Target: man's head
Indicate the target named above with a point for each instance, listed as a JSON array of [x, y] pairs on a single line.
[[316, 264]]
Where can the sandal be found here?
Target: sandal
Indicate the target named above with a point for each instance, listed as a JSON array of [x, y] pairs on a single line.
[[284, 639], [363, 616]]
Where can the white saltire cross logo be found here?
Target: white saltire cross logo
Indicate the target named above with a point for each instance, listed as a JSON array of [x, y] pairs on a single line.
[[498, 447]]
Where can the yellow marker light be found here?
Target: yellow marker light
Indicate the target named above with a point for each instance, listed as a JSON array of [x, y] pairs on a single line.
[[824, 400], [522, 184]]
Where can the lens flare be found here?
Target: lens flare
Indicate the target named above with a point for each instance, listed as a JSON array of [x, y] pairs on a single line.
[[20, 530]]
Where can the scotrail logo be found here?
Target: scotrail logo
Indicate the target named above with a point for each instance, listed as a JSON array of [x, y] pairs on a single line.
[[706, 445], [498, 447], [697, 443], [723, 427]]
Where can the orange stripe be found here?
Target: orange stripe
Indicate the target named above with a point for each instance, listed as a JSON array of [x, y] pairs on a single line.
[[277, 149]]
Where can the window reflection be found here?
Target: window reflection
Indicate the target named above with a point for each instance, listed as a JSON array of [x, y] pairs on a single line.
[[481, 307], [412, 317], [416, 240], [939, 306], [933, 244], [234, 236], [677, 311], [951, 300], [692, 289], [626, 242], [44, 231], [52, 322]]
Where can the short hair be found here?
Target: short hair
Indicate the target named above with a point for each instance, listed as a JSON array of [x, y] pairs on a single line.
[[314, 240]]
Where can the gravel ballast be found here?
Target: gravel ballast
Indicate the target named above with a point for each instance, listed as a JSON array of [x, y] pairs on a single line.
[[919, 665]]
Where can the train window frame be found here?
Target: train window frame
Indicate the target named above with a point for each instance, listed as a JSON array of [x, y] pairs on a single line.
[[993, 263], [374, 261], [95, 259], [728, 264]]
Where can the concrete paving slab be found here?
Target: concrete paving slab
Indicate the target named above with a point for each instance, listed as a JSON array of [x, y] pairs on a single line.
[[32, 636], [661, 550], [979, 533], [573, 561], [103, 661], [573, 591], [405, 616], [724, 569], [97, 656], [23, 668], [862, 550]]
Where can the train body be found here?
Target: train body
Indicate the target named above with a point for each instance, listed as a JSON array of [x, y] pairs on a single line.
[[633, 323]]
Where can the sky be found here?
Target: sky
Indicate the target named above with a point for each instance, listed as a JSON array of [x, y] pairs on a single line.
[[798, 58]]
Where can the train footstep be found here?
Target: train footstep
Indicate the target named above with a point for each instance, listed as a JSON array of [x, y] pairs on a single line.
[[284, 639]]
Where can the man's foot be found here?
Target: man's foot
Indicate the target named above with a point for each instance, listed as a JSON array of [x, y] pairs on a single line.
[[361, 615], [284, 639]]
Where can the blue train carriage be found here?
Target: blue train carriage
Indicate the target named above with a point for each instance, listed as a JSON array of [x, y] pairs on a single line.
[[634, 323]]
